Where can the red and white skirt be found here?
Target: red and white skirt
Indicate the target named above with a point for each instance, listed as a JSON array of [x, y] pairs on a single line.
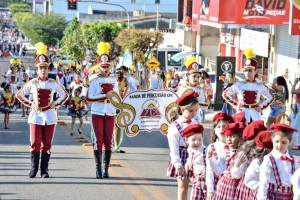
[[279, 193], [226, 188], [242, 191], [171, 171], [199, 190]]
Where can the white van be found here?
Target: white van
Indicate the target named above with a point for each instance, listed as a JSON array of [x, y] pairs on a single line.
[[164, 56]]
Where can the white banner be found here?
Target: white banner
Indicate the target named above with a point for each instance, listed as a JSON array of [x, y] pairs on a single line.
[[145, 110], [258, 41]]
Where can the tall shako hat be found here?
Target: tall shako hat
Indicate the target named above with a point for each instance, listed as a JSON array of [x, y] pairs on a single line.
[[15, 62], [103, 52], [249, 61], [41, 59], [191, 65]]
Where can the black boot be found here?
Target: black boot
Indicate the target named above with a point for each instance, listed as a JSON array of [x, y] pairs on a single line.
[[44, 165], [106, 161], [98, 161], [35, 159]]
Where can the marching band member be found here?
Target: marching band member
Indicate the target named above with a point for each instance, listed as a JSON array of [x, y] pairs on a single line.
[[13, 77], [8, 102], [193, 82], [60, 73], [20, 84], [42, 118], [76, 109], [249, 91], [103, 112]]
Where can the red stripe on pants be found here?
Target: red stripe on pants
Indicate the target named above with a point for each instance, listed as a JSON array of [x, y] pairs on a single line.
[[41, 137], [103, 129]]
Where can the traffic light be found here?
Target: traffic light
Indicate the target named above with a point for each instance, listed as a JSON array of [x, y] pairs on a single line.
[[157, 1], [72, 4]]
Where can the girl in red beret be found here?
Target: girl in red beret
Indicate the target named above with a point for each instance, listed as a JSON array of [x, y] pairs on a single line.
[[226, 187], [244, 156], [189, 107], [264, 146], [196, 161], [216, 151], [278, 166]]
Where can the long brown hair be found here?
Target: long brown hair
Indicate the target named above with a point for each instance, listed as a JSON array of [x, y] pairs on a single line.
[[214, 137]]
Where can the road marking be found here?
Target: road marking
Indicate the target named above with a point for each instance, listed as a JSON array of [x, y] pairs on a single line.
[[137, 193], [147, 185], [134, 190]]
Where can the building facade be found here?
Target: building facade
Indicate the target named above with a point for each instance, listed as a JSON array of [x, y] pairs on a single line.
[[226, 28]]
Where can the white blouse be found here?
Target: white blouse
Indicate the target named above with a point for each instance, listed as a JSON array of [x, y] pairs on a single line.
[[295, 180], [176, 140], [196, 159], [251, 179], [219, 149], [266, 174]]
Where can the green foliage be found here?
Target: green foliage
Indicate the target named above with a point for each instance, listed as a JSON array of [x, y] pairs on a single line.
[[41, 28], [139, 41], [95, 32], [72, 42], [18, 8], [78, 37]]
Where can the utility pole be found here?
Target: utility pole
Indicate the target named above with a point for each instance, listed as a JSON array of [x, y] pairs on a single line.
[[157, 2]]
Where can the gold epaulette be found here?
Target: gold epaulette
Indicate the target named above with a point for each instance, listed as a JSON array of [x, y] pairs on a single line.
[[33, 80]]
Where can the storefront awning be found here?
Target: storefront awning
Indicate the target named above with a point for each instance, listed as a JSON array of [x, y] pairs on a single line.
[[181, 55]]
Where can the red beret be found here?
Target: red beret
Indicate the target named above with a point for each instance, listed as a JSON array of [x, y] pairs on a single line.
[[192, 129], [223, 116], [282, 128], [234, 128], [251, 131], [239, 117], [185, 98], [264, 140]]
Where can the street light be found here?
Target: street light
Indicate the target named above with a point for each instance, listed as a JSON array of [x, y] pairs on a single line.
[[112, 4]]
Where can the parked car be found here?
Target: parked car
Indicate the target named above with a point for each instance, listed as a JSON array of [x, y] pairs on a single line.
[[65, 61], [28, 46]]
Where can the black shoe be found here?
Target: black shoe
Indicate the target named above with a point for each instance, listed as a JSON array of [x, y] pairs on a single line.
[[98, 161], [106, 161], [79, 131], [44, 165], [35, 159], [71, 134]]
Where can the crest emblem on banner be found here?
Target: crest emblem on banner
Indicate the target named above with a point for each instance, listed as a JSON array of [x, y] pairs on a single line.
[[145, 110]]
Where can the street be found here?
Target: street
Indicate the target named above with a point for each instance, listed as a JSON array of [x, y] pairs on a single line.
[[140, 173]]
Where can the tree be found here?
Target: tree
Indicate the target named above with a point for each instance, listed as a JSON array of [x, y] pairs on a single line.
[[72, 42], [96, 32], [139, 41], [18, 8], [41, 28]]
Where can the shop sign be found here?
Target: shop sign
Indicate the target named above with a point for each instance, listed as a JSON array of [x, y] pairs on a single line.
[[257, 41]]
